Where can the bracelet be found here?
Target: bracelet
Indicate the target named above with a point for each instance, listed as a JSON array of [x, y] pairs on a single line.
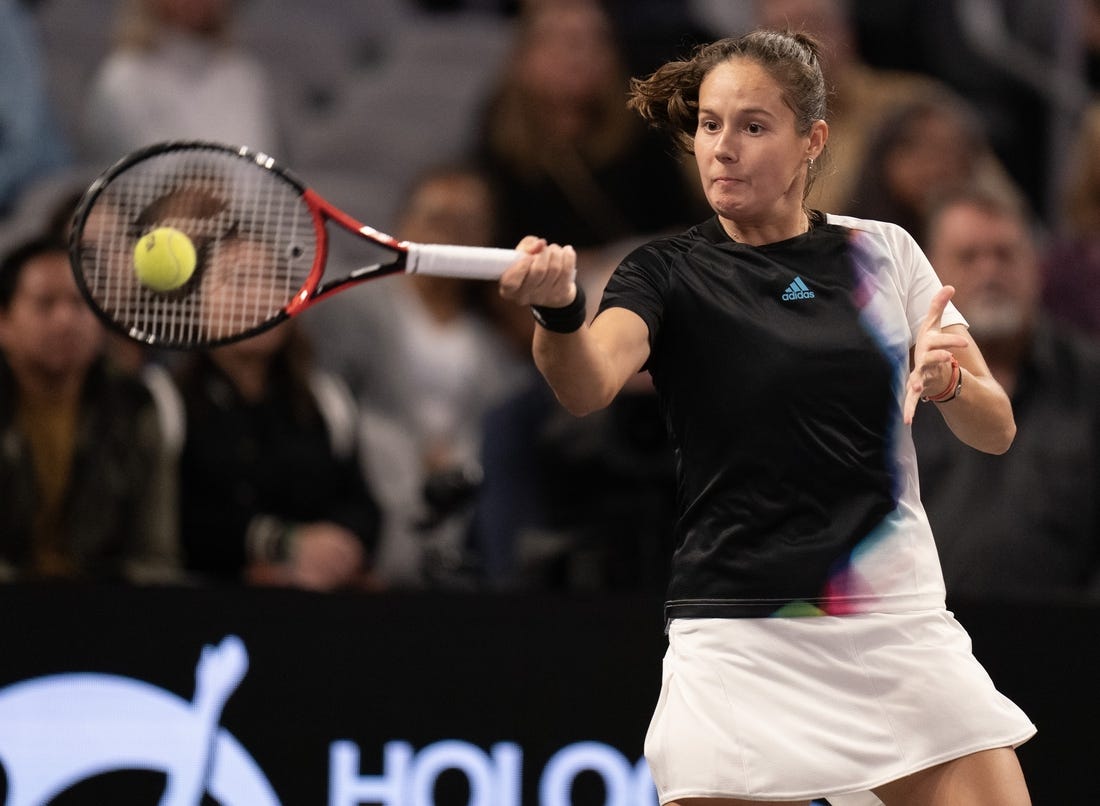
[[954, 386], [566, 319]]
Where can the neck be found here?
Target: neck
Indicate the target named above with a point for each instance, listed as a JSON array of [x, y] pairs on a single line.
[[442, 297], [48, 387], [755, 234]]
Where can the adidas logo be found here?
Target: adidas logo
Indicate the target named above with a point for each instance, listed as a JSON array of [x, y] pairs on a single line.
[[798, 290]]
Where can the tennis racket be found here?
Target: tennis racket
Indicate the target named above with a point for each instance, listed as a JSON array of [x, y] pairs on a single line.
[[260, 239]]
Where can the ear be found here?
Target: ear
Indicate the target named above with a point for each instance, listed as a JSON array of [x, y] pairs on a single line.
[[819, 133]]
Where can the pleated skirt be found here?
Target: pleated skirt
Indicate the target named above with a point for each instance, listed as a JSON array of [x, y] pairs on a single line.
[[784, 709]]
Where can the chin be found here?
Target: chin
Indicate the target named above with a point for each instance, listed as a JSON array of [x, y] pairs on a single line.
[[995, 323]]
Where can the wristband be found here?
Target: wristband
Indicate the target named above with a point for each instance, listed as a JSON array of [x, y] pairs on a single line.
[[954, 386], [567, 319]]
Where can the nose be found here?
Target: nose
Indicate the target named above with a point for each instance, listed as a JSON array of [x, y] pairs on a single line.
[[725, 149], [987, 266], [69, 311], [722, 145]]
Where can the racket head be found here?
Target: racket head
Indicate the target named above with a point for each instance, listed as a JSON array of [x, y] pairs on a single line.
[[260, 246]]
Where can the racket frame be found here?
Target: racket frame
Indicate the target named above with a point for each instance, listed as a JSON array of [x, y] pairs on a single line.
[[312, 290]]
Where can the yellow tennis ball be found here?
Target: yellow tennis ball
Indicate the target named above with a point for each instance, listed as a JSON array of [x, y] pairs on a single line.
[[164, 259]]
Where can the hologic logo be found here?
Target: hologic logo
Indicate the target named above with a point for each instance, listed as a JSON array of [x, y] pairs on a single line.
[[59, 730]]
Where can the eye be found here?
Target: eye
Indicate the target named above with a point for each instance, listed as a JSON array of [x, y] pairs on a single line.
[[754, 128], [708, 126]]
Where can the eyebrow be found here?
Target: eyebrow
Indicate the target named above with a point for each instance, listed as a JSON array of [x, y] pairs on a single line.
[[754, 110]]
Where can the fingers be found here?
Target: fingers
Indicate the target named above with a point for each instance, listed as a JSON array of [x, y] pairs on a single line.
[[325, 557], [912, 397], [546, 276], [939, 305], [932, 354]]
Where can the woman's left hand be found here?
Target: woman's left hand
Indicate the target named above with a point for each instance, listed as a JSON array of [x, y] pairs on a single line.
[[932, 355]]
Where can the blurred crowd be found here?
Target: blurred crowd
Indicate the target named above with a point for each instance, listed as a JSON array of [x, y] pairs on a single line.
[[398, 436]]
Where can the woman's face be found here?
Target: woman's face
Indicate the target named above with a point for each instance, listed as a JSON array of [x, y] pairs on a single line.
[[752, 162]]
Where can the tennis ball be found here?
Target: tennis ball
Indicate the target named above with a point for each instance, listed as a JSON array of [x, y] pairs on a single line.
[[164, 259]]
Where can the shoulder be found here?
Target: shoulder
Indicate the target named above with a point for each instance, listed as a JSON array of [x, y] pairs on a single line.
[[117, 388], [339, 410], [664, 250], [895, 240], [884, 229], [123, 65]]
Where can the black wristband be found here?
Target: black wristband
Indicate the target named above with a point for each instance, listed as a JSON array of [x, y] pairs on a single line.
[[567, 319]]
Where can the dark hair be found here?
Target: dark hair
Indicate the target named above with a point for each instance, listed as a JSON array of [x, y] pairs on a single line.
[[873, 196], [11, 266], [669, 98]]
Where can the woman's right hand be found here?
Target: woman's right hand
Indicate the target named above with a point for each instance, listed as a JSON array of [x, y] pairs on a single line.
[[545, 276]]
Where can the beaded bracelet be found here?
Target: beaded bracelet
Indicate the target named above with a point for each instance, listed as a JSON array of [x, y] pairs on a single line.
[[566, 319], [954, 386]]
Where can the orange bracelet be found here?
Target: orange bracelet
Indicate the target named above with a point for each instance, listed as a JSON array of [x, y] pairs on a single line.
[[954, 386]]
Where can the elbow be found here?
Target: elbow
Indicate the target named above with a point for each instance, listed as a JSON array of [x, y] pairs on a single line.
[[582, 399], [997, 440], [1002, 441], [583, 405]]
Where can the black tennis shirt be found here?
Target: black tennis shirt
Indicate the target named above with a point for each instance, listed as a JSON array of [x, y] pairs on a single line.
[[780, 398]]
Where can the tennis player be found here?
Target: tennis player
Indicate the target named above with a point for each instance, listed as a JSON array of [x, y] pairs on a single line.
[[810, 650]]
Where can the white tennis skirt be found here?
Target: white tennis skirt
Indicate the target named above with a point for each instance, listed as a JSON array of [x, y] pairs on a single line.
[[783, 709]]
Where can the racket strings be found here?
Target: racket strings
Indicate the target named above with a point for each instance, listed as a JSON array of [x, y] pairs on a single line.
[[255, 241]]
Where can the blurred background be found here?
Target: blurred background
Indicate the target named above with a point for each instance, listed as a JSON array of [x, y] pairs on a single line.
[[423, 554]]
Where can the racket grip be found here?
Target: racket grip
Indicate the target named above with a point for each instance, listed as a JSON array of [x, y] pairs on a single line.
[[470, 262]]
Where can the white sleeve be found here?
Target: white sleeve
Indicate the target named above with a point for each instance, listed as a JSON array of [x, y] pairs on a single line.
[[892, 251], [918, 281]]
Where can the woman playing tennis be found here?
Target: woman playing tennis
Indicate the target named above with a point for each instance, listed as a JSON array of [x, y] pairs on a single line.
[[810, 650]]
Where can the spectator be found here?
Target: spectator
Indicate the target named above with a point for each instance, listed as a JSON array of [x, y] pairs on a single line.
[[1071, 289], [267, 498], [575, 504], [565, 154], [270, 486], [31, 142], [426, 362], [923, 148], [174, 74], [1026, 524], [86, 488]]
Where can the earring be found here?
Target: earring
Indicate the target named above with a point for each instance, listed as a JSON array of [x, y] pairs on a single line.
[[810, 160]]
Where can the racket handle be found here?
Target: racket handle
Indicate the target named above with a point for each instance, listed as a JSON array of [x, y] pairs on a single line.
[[470, 262]]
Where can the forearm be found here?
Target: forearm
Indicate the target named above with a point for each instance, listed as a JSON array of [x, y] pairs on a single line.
[[576, 368], [981, 415]]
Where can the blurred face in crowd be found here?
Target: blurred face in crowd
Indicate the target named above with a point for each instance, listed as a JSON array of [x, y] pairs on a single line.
[[453, 209], [991, 260], [198, 16], [752, 161], [570, 54], [825, 20], [48, 331], [935, 154], [243, 288]]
